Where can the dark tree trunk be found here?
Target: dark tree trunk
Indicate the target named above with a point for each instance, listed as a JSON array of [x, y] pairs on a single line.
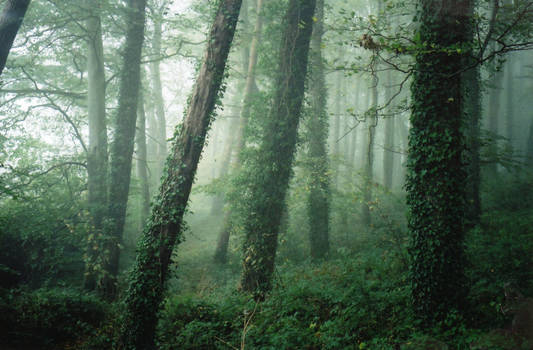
[[319, 193], [274, 164], [150, 272], [221, 251], [97, 157], [436, 179], [122, 148], [10, 21], [472, 110]]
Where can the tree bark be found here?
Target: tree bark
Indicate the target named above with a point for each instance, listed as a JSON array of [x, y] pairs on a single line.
[[269, 185], [164, 230], [157, 91], [142, 164], [10, 21], [371, 123], [97, 157], [319, 193], [436, 179], [122, 148]]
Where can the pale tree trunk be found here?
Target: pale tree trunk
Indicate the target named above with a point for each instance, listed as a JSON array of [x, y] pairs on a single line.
[[122, 148], [10, 21], [221, 250], [142, 164], [494, 119], [368, 172], [97, 158], [164, 230], [157, 92], [337, 128], [274, 163], [388, 152], [509, 93]]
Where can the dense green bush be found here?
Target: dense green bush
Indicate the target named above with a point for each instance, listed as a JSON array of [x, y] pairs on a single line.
[[46, 318]]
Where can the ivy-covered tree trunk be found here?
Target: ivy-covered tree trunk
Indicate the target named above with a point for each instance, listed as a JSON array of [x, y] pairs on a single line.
[[274, 164], [97, 157], [319, 192], [122, 148], [436, 179], [164, 228], [10, 21], [221, 250]]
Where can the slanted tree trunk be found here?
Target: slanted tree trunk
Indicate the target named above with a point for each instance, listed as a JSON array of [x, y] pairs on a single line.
[[319, 193], [122, 148], [274, 163], [164, 230], [142, 164], [97, 157], [10, 21], [221, 251], [436, 178]]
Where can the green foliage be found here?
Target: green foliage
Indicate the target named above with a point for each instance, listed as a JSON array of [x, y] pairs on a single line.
[[48, 317]]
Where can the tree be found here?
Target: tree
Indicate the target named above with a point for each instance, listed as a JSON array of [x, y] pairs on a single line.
[[97, 157], [164, 228], [319, 193], [270, 180], [10, 21], [122, 148], [436, 179]]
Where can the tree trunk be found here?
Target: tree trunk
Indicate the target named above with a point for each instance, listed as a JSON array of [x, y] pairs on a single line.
[[337, 128], [436, 179], [142, 164], [157, 91], [221, 250], [10, 21], [150, 272], [371, 121], [122, 148], [509, 92], [275, 157], [494, 121], [97, 157], [388, 151], [319, 193]]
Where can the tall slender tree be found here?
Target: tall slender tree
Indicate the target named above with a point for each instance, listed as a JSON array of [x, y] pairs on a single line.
[[319, 193], [436, 179], [122, 147], [164, 228], [273, 169], [97, 157], [10, 21]]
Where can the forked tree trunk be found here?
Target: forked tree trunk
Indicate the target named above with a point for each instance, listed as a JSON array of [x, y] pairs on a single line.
[[275, 157], [164, 230], [122, 148], [10, 21]]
